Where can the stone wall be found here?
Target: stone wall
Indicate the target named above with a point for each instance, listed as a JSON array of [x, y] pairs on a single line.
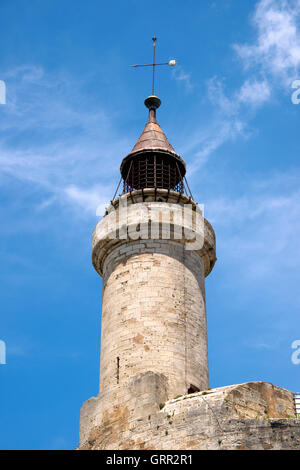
[[153, 305], [153, 315], [255, 415]]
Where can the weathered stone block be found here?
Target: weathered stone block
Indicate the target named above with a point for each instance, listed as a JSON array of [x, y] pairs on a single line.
[[253, 415]]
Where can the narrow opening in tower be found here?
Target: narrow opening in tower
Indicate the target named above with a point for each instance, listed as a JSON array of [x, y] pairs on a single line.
[[193, 389], [118, 370]]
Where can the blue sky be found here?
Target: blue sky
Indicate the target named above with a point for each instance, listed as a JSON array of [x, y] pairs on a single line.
[[74, 110]]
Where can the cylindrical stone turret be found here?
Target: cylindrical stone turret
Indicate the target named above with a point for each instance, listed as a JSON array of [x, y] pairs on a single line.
[[153, 306]]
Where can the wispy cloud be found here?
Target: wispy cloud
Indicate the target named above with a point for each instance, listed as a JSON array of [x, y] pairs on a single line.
[[276, 50], [251, 94], [54, 137], [272, 58], [203, 144], [260, 229], [94, 200], [254, 93], [183, 77], [230, 118]]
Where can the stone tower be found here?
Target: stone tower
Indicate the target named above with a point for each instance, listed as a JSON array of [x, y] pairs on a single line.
[[153, 249], [153, 307]]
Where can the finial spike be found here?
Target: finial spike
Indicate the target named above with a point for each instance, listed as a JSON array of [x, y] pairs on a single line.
[[154, 40]]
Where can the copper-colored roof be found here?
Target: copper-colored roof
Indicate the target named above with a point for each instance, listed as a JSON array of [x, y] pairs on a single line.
[[152, 137]]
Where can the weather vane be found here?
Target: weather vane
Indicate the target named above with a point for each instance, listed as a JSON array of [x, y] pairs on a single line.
[[153, 65]]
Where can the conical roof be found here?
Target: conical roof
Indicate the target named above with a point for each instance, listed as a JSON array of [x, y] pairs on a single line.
[[152, 143], [152, 138], [153, 163]]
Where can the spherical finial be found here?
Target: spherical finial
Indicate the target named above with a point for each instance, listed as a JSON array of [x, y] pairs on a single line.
[[152, 102]]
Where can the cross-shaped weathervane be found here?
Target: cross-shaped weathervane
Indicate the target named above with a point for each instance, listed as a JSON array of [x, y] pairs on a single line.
[[171, 62]]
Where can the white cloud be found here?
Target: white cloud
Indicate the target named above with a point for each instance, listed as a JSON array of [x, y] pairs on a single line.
[[206, 143], [254, 93], [230, 119], [217, 96], [277, 48], [181, 76], [260, 230], [275, 52], [90, 200], [56, 140]]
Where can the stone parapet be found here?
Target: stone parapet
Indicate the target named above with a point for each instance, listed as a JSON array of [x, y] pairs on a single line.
[[154, 215]]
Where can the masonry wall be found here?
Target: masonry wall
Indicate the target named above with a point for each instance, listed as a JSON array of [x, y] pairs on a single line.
[[153, 315], [255, 415], [153, 304]]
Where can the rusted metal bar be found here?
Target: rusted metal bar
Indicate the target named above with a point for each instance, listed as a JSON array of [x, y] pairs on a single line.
[[180, 176], [117, 189], [126, 184], [139, 174], [188, 188]]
